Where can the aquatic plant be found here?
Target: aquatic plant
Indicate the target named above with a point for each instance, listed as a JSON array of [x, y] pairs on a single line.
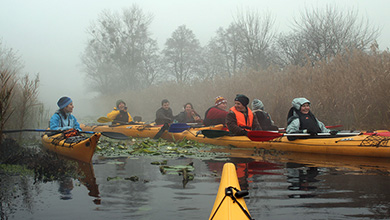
[[150, 147]]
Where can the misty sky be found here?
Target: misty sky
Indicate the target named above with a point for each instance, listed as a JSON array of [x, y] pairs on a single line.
[[50, 35]]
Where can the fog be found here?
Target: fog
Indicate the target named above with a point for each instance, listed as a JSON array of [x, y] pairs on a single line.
[[51, 35]]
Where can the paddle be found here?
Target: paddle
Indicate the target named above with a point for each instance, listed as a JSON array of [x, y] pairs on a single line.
[[113, 135], [175, 128], [213, 133], [329, 126], [104, 120], [269, 135], [178, 127], [161, 131]]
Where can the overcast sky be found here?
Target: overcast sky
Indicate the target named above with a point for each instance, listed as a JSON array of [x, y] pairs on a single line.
[[50, 35]]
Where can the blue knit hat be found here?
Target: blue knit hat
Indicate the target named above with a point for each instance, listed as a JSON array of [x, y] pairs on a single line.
[[63, 102]]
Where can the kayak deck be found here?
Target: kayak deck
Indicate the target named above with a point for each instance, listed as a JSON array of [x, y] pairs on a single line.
[[229, 203], [77, 147]]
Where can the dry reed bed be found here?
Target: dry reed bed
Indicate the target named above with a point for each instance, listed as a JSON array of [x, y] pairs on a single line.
[[351, 89]]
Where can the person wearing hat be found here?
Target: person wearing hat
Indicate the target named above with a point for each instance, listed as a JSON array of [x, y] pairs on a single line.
[[240, 118], [164, 114], [263, 117], [301, 120], [120, 115], [63, 118], [216, 114]]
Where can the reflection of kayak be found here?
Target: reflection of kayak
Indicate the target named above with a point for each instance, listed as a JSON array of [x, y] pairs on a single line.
[[76, 147], [88, 179], [360, 164], [229, 203]]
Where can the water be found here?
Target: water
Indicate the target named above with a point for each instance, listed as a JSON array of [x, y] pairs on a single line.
[[298, 186]]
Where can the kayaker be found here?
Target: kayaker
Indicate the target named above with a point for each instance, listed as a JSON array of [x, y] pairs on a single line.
[[263, 117], [301, 120], [240, 118], [217, 113], [120, 115], [164, 114], [63, 118], [189, 115]]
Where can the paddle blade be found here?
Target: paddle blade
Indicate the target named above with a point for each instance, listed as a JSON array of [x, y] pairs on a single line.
[[334, 126], [114, 135], [178, 127], [214, 133], [161, 131], [104, 120], [263, 135]]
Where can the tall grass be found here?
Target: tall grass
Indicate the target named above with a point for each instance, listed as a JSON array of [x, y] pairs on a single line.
[[19, 106], [351, 89]]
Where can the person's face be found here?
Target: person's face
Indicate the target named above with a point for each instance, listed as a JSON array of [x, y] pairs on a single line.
[[305, 108], [165, 106], [122, 106], [188, 108], [69, 108], [222, 105], [239, 106]]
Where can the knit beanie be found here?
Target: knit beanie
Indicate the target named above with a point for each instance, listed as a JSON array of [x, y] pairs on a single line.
[[243, 99], [63, 102], [119, 102], [257, 104], [219, 100]]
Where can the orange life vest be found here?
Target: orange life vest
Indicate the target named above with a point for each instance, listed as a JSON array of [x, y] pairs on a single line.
[[241, 122]]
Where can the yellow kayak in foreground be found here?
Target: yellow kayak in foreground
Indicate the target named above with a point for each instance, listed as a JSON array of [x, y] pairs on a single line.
[[77, 147], [229, 203]]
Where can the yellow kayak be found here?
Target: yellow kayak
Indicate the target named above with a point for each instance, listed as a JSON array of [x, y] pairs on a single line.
[[364, 144], [137, 131], [354, 145], [229, 203], [77, 147]]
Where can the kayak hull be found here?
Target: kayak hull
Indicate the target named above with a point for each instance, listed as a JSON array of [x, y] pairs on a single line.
[[79, 149], [224, 206], [137, 131], [368, 145]]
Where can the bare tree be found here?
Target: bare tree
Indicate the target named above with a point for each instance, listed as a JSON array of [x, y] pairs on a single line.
[[7, 82], [182, 53], [10, 64], [226, 48], [322, 33], [28, 98], [256, 35], [121, 52]]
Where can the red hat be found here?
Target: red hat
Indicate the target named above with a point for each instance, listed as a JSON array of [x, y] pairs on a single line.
[[219, 100]]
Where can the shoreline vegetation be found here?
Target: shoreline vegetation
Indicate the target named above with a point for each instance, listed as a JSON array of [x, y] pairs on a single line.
[[349, 89]]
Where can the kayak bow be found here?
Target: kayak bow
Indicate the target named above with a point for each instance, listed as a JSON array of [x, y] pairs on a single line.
[[229, 203]]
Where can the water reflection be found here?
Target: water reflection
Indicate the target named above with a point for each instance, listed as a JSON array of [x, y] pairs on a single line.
[[301, 179], [65, 189], [88, 179], [280, 187]]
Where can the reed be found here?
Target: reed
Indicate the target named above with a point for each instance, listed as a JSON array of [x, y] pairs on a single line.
[[7, 82], [349, 89]]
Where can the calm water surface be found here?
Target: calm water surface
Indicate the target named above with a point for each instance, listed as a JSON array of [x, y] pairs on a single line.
[[286, 186]]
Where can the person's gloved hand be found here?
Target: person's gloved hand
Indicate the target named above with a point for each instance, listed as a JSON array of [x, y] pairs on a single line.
[[312, 131], [334, 132], [302, 131]]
